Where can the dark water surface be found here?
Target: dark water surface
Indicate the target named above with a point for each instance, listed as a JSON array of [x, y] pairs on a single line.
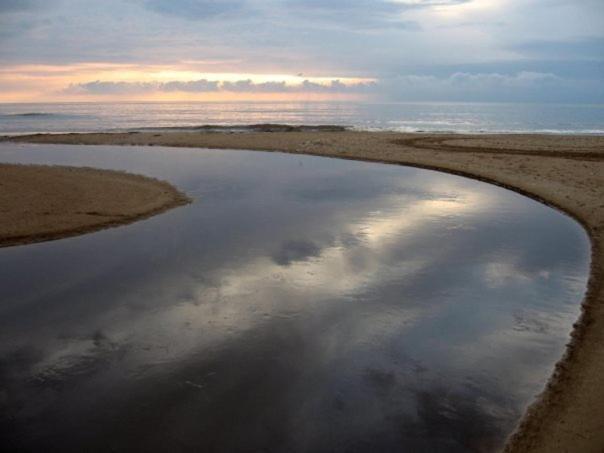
[[301, 304]]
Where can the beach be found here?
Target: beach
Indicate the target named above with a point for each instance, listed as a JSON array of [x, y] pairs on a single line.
[[566, 172], [41, 203]]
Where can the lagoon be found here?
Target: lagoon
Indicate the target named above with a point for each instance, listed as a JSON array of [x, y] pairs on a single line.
[[299, 304]]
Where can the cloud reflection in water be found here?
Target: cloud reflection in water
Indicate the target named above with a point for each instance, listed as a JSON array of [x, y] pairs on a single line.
[[301, 304]]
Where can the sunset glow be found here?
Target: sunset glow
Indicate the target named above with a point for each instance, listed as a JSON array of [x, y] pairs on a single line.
[[68, 82]]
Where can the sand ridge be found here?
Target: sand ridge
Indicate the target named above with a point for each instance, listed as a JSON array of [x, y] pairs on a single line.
[[566, 172], [41, 203]]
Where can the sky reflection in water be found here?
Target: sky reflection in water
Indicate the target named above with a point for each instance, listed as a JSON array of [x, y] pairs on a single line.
[[300, 304]]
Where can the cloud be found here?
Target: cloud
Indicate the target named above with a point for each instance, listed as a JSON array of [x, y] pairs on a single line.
[[371, 6], [459, 86], [474, 81], [208, 86], [10, 29], [7, 6], [455, 86], [523, 78], [195, 9], [357, 14], [247, 86], [100, 87], [403, 43], [590, 48], [202, 85], [360, 15]]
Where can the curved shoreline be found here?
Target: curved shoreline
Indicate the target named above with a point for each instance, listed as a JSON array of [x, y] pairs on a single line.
[[569, 414], [44, 203]]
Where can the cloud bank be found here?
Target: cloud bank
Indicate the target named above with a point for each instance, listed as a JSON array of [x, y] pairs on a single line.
[[523, 85], [212, 86]]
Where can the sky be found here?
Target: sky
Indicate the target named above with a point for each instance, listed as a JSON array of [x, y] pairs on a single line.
[[371, 50]]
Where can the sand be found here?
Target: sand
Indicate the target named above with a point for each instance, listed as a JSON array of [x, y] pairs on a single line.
[[564, 172], [41, 203]]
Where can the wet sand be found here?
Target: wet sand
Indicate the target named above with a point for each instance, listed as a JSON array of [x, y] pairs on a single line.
[[41, 203], [566, 172]]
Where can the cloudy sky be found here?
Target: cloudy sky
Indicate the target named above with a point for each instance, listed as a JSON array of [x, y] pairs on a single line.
[[379, 50]]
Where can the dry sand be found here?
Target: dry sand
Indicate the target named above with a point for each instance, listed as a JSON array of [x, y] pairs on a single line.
[[40, 203], [564, 172]]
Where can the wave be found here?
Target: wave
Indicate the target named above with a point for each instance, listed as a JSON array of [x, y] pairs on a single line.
[[29, 114], [264, 127], [41, 115], [478, 131]]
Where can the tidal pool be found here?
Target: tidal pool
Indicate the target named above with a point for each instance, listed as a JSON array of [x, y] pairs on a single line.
[[300, 304]]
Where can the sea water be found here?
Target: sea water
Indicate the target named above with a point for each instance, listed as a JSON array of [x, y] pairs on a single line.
[[403, 117]]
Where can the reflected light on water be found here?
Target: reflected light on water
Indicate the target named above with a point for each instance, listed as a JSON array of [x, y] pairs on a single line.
[[300, 304]]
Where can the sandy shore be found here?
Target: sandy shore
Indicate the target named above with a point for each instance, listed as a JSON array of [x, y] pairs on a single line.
[[41, 203], [565, 172]]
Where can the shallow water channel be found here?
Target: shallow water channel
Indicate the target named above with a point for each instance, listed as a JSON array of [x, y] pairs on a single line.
[[300, 304]]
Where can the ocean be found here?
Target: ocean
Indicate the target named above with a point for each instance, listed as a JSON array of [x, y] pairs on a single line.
[[404, 117]]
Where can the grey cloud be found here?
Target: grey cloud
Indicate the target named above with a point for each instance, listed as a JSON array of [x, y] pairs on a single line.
[[16, 5], [15, 28], [523, 78], [195, 9], [206, 86], [192, 86], [493, 86], [367, 6], [335, 86], [243, 86], [410, 25], [371, 6], [99, 87], [361, 14], [473, 81], [591, 48], [561, 68], [523, 86]]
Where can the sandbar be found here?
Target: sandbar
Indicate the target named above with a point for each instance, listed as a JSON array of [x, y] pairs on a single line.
[[40, 203]]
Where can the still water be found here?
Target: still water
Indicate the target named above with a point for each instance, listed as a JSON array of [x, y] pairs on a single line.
[[300, 304]]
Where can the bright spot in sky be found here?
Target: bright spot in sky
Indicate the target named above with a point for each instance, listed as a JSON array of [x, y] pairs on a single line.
[[466, 10]]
